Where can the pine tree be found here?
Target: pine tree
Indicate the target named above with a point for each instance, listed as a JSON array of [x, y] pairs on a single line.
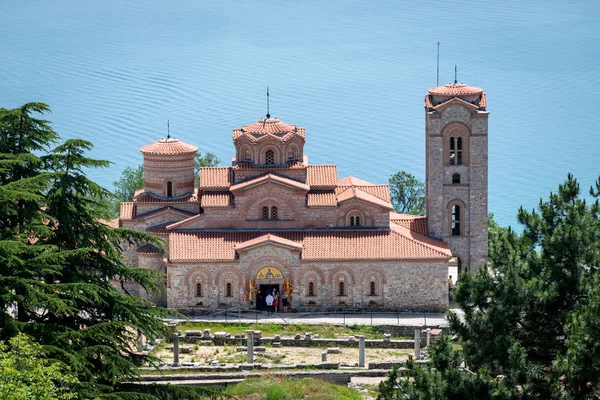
[[530, 323], [58, 262]]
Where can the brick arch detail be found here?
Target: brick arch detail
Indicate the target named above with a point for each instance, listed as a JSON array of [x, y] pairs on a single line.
[[276, 262], [203, 272], [281, 198], [370, 271], [262, 151], [227, 271], [344, 212], [342, 270], [311, 270], [459, 126]]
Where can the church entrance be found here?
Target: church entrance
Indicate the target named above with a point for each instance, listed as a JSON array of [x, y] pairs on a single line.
[[268, 279], [261, 296]]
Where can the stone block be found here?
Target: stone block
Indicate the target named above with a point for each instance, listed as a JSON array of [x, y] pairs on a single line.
[[276, 337], [185, 349], [260, 349], [221, 335], [333, 350], [193, 333], [276, 344], [298, 337]]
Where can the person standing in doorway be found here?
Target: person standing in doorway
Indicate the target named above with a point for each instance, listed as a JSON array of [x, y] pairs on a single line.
[[276, 301], [269, 302], [284, 302]]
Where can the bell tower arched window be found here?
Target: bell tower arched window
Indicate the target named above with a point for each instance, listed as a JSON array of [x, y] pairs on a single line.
[[265, 213], [169, 189], [269, 157], [273, 212], [456, 178], [455, 220]]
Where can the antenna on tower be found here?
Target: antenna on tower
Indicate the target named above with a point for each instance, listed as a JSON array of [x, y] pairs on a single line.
[[437, 81], [168, 130], [455, 74], [268, 114]]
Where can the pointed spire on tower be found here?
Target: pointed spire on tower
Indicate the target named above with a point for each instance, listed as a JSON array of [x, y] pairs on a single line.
[[455, 74], [168, 130]]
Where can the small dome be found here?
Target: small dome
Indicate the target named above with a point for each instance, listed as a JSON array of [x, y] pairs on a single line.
[[268, 125], [169, 146], [455, 90]]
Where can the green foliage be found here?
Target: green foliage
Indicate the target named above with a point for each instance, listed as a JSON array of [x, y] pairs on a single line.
[[131, 180], [407, 193], [270, 387], [530, 323], [25, 375], [59, 264]]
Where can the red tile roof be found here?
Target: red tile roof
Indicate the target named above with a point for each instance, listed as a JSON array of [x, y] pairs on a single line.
[[268, 126], [216, 199], [268, 238], [181, 224], [165, 210], [145, 197], [396, 244], [113, 223], [246, 166], [321, 199], [127, 210], [354, 192], [455, 89], [215, 178], [353, 181], [169, 146], [321, 176], [149, 249], [269, 178], [416, 223], [380, 191]]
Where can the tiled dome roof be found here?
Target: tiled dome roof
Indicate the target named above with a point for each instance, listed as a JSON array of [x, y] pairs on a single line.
[[268, 125], [455, 89], [169, 146]]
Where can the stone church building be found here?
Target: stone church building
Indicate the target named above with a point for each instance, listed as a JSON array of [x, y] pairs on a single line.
[[273, 221]]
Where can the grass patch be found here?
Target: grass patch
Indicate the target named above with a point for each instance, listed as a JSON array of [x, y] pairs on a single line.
[[324, 331], [272, 388]]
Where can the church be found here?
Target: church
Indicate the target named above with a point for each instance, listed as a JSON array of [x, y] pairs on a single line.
[[273, 221]]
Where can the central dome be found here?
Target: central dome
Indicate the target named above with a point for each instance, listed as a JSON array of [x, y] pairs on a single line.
[[455, 89], [268, 125]]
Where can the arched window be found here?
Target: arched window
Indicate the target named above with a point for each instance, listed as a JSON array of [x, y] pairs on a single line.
[[269, 157], [198, 290], [311, 288], [247, 156], [169, 189], [354, 220], [372, 287], [273, 212], [455, 215], [456, 150], [456, 178], [341, 289], [265, 213], [228, 290]]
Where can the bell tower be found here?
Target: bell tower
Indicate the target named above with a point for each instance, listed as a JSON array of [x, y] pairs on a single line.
[[456, 148]]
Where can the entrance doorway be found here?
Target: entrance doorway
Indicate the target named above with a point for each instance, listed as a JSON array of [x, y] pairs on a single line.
[[261, 296]]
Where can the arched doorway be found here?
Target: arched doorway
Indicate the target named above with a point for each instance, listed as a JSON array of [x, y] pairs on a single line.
[[269, 280]]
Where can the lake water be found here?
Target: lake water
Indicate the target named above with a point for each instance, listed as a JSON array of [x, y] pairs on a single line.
[[354, 73]]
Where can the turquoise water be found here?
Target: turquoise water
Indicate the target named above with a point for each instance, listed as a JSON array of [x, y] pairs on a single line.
[[354, 73]]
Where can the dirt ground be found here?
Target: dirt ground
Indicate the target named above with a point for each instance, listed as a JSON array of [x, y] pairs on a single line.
[[282, 355]]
